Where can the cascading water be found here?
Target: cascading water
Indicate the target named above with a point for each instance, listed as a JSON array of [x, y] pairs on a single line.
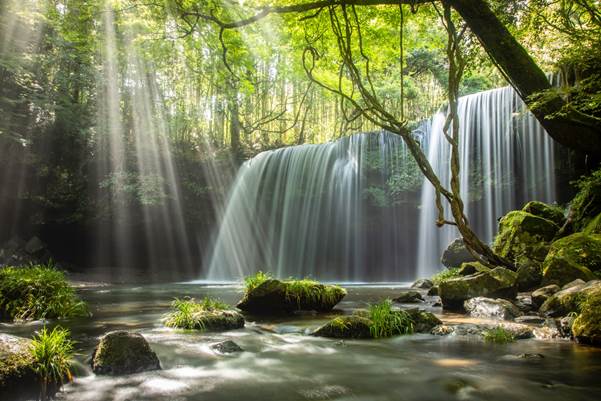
[[506, 159], [359, 210]]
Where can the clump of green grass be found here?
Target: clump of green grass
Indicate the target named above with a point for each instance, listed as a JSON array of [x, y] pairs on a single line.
[[498, 335], [387, 322], [52, 353], [185, 314], [252, 282], [37, 292], [445, 275]]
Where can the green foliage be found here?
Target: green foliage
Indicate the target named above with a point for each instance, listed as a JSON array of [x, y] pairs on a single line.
[[311, 291], [37, 292], [498, 335], [445, 275], [386, 322], [52, 353], [586, 205], [252, 282], [187, 314]]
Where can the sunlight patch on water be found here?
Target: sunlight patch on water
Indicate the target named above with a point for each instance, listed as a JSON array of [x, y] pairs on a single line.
[[455, 362]]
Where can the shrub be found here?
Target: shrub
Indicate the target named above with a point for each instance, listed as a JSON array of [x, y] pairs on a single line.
[[445, 275], [498, 335], [37, 292], [52, 353], [386, 322], [185, 314]]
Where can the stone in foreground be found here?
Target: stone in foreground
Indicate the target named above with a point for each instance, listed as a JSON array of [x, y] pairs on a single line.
[[497, 283], [121, 353], [17, 376], [491, 308], [277, 297], [586, 328]]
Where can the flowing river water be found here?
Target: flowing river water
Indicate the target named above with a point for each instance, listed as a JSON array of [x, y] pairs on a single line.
[[282, 362]]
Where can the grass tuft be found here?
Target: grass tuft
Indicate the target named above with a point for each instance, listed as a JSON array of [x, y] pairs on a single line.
[[52, 353], [387, 322], [185, 314], [37, 292], [445, 274], [498, 335], [252, 282]]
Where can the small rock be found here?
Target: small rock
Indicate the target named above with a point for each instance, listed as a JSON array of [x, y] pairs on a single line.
[[433, 291], [409, 297], [564, 325], [542, 294], [121, 353], [519, 331], [527, 356], [423, 284], [226, 347], [491, 308], [530, 319], [574, 283], [346, 327], [34, 246]]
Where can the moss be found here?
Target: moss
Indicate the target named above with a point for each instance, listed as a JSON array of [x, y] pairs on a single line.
[[445, 275], [498, 335], [207, 314], [252, 282], [121, 352], [586, 205], [553, 213], [37, 292], [346, 327], [471, 268], [587, 326], [386, 322], [576, 256], [568, 300], [524, 237]]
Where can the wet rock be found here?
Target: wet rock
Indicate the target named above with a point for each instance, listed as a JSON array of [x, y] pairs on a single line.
[[546, 333], [409, 297], [549, 212], [529, 276], [576, 256], [518, 331], [346, 327], [17, 375], [566, 301], [491, 308], [218, 320], [226, 347], [497, 283], [122, 353], [525, 356], [277, 297], [529, 319], [574, 283], [456, 254], [524, 303], [432, 292], [564, 325], [542, 294], [586, 328], [469, 268], [423, 322], [423, 284], [524, 238]]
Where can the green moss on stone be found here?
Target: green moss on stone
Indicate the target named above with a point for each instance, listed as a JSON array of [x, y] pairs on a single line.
[[586, 205], [576, 256], [550, 212], [587, 326]]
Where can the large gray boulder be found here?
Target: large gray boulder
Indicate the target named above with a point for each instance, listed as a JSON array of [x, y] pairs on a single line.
[[491, 308], [497, 283], [122, 353], [456, 254]]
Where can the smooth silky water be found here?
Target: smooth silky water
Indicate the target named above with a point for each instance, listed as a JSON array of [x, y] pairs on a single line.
[[282, 362]]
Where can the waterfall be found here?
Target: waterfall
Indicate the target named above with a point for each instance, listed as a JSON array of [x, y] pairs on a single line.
[[358, 209], [506, 160]]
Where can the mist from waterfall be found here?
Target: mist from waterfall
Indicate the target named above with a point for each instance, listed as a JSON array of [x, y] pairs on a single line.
[[358, 210]]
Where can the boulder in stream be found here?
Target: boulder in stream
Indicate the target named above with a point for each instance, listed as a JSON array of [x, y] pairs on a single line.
[[456, 253], [491, 308], [423, 284], [569, 300], [576, 256], [17, 374], [542, 294], [121, 353], [409, 297], [226, 347], [546, 211]]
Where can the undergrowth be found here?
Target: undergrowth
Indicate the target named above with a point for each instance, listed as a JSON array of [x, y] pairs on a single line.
[[37, 292], [498, 335], [185, 314], [386, 322], [445, 275], [252, 282]]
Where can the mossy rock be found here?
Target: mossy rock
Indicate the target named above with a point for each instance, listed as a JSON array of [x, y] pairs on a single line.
[[122, 353], [276, 297], [569, 300], [423, 322], [218, 320], [468, 268], [586, 328], [17, 376], [524, 238], [529, 276], [586, 205], [546, 211], [576, 256], [456, 253], [498, 283], [354, 326], [540, 295]]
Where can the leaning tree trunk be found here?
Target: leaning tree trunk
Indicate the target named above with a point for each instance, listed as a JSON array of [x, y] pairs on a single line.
[[572, 129]]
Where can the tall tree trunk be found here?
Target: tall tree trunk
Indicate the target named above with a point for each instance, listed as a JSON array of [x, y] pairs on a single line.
[[573, 130]]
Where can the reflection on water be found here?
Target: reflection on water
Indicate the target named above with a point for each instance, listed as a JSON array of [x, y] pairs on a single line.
[[281, 362]]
